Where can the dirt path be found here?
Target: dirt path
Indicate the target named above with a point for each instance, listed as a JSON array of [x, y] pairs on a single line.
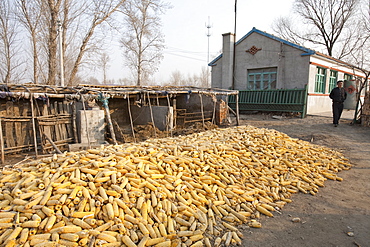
[[339, 209]]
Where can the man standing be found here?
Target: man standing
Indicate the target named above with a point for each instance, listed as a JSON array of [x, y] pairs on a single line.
[[338, 95]]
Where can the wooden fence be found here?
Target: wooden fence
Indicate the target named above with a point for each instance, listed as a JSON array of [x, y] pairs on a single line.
[[282, 100], [27, 125]]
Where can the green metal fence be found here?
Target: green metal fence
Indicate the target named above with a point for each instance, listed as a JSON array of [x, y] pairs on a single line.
[[284, 100]]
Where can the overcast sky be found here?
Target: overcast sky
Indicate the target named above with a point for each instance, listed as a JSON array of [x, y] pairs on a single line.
[[184, 27]]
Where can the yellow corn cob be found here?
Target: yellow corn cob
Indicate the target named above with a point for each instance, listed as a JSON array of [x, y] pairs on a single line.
[[178, 188]]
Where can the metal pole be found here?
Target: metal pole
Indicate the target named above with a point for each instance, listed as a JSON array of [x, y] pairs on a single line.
[[61, 54], [208, 35], [233, 79]]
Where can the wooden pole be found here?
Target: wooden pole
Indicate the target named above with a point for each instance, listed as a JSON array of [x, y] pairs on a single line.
[[53, 144], [174, 112], [151, 115], [201, 108], [168, 116], [129, 113], [74, 125], [105, 101], [87, 123], [214, 109], [33, 126], [110, 125], [2, 143]]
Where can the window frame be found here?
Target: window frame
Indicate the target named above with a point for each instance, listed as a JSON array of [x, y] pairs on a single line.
[[347, 78], [333, 79], [263, 80], [320, 80]]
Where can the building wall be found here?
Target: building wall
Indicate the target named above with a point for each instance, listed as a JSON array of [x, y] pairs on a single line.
[[161, 115], [216, 75], [316, 102], [292, 68]]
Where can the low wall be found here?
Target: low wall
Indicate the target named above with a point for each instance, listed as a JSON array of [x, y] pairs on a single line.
[[318, 103], [162, 116]]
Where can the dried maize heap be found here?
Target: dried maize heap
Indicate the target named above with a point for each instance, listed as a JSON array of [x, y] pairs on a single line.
[[186, 191]]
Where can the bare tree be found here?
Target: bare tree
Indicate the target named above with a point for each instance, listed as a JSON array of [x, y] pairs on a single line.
[[52, 44], [105, 59], [100, 10], [92, 80], [361, 59], [9, 62], [199, 80], [176, 78], [327, 23], [30, 15], [143, 42], [80, 21], [204, 77]]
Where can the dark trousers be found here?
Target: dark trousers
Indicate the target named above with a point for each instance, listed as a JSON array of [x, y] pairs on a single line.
[[337, 112]]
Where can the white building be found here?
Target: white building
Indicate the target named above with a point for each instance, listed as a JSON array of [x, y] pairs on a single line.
[[264, 61]]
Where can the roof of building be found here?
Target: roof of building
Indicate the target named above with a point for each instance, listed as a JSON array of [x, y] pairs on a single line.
[[306, 51], [91, 91]]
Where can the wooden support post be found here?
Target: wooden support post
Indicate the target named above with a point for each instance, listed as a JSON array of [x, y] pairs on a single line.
[[151, 115], [2, 143], [232, 111], [53, 144], [168, 116], [74, 125], [174, 112], [87, 123], [104, 100], [19, 137], [129, 113], [214, 99], [201, 108], [119, 130], [9, 126], [110, 125], [33, 126]]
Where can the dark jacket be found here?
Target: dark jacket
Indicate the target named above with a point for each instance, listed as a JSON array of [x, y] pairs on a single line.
[[338, 95]]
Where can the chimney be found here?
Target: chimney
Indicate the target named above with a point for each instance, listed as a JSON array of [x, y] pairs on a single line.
[[227, 60]]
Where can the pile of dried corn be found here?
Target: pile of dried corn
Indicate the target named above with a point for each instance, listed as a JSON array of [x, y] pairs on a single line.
[[186, 191]]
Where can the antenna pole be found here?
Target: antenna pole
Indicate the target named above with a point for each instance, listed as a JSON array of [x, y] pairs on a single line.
[[233, 80], [208, 26]]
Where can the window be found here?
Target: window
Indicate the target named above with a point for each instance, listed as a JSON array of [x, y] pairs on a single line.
[[320, 80], [262, 79], [347, 78], [333, 79]]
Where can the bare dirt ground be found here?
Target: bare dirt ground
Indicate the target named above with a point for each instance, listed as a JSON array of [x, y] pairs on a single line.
[[339, 215]]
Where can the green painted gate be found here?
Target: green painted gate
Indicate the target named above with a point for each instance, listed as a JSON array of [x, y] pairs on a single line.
[[284, 100]]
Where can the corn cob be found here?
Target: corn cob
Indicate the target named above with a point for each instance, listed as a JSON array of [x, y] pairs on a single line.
[[161, 192]]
